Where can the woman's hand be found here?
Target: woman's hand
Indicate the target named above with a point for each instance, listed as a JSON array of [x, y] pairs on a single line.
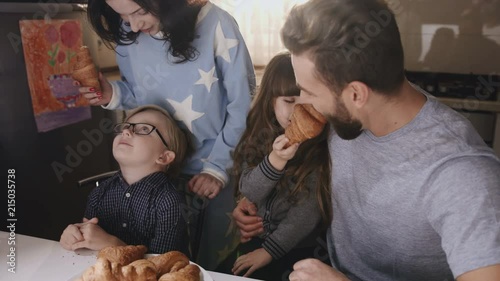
[[98, 98], [205, 185], [253, 261]]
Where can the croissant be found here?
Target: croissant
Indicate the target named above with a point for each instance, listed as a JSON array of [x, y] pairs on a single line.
[[169, 262], [84, 70], [123, 254], [306, 123], [188, 273], [105, 270]]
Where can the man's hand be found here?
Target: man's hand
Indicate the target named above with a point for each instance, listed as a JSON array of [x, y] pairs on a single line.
[[487, 273], [205, 185], [313, 269], [245, 216]]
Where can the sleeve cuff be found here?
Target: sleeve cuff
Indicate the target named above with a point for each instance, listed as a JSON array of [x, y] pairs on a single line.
[[275, 250], [115, 98], [216, 174], [269, 171]]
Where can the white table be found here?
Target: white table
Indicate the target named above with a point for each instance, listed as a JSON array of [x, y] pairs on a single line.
[[45, 260]]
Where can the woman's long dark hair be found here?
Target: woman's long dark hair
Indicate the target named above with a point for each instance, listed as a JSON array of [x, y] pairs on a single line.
[[177, 18], [262, 128]]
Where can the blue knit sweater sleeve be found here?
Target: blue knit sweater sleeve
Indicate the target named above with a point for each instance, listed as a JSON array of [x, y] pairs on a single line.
[[238, 80], [123, 95]]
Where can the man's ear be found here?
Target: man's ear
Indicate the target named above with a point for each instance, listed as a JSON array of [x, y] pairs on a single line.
[[166, 157], [358, 93]]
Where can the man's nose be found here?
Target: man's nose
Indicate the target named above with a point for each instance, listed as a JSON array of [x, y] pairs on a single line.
[[300, 98]]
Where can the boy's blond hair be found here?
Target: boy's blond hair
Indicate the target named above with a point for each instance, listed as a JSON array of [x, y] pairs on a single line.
[[178, 139]]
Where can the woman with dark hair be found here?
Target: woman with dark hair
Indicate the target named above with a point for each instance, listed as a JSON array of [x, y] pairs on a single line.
[[188, 57], [175, 19]]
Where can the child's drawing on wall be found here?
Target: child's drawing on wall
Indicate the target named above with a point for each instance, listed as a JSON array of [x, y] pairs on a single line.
[[49, 50]]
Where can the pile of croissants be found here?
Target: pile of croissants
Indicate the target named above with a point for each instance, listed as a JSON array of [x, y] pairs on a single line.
[[127, 263]]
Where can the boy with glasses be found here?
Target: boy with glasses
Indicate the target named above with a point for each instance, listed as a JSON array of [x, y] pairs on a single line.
[[139, 205]]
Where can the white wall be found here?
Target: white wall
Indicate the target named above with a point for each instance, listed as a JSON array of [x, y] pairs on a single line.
[[103, 57]]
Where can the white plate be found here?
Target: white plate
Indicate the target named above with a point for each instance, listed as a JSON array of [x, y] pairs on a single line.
[[204, 276]]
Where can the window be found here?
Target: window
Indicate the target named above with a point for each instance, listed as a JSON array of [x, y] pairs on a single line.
[[260, 23]]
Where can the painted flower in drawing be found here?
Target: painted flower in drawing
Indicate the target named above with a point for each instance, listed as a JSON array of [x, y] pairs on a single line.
[[68, 36], [52, 35], [61, 56], [70, 33], [63, 41]]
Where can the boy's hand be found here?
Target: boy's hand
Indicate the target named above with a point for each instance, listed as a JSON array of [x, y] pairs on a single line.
[[205, 185], [95, 238], [98, 98], [253, 261], [72, 234], [280, 155], [92, 220]]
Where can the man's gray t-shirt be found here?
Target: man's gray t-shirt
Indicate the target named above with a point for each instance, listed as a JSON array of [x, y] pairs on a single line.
[[422, 203]]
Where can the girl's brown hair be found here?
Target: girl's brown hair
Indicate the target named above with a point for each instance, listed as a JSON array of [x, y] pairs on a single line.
[[262, 128]]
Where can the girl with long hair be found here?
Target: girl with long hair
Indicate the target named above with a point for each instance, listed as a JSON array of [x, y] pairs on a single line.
[[290, 186]]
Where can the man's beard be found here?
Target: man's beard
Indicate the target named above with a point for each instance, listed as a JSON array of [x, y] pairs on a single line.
[[344, 125]]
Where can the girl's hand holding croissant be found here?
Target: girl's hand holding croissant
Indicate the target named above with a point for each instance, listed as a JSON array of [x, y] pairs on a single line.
[[96, 97], [280, 155]]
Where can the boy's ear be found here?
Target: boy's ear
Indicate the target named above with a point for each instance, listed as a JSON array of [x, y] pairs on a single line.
[[166, 157]]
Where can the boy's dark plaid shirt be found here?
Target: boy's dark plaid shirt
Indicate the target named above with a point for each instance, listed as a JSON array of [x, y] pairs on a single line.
[[148, 212]]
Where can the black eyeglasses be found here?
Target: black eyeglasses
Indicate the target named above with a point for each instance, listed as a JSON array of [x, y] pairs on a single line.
[[138, 129]]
